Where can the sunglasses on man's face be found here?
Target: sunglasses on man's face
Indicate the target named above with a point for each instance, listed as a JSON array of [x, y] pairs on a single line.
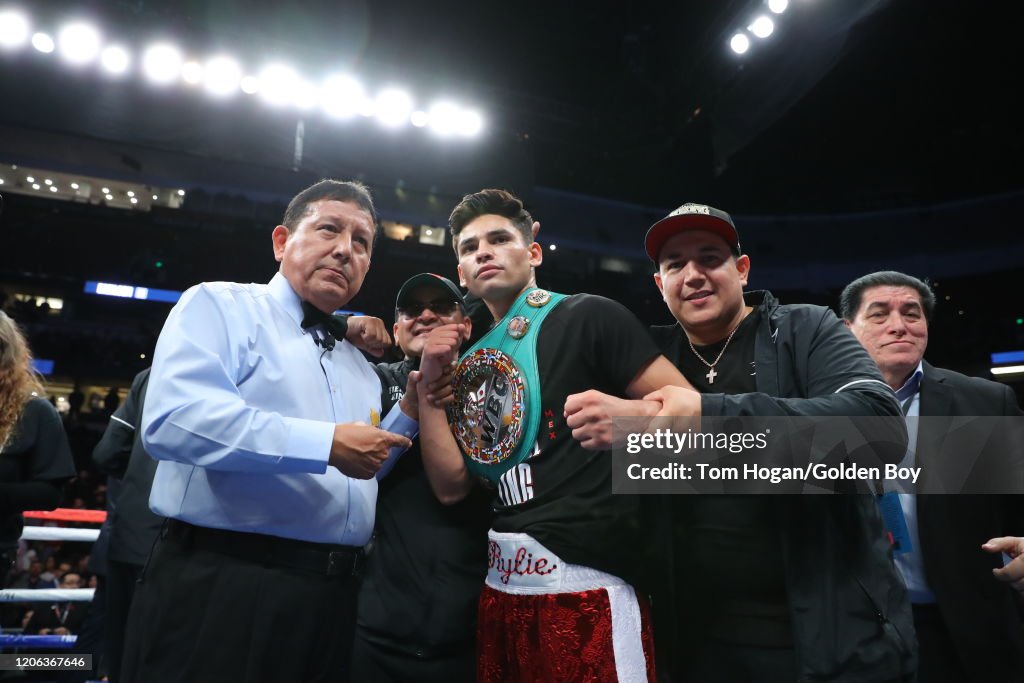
[[440, 307]]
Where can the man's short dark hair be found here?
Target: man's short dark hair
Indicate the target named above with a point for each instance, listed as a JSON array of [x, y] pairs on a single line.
[[331, 190], [853, 294], [484, 202]]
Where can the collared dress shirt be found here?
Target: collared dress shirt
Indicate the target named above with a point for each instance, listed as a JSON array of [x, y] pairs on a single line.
[[911, 564], [241, 410]]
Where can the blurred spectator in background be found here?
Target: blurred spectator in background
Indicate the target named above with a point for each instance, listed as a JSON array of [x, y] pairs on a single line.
[[35, 459]]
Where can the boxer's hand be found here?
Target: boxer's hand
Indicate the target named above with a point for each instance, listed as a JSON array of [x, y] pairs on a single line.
[[589, 416], [440, 350]]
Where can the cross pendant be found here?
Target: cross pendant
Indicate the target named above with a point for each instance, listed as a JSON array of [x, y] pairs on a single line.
[[711, 376]]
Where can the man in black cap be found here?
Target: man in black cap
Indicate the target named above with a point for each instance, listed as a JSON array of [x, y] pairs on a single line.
[[417, 604], [770, 588]]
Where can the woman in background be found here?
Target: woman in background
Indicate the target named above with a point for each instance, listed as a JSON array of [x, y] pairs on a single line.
[[35, 459]]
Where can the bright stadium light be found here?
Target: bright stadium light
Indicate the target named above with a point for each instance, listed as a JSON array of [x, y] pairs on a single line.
[[43, 42], [778, 6], [470, 123], [115, 59], [740, 43], [278, 84], [306, 95], [762, 27], [445, 118], [192, 73], [13, 29], [162, 63], [419, 119], [79, 43], [393, 107], [223, 76], [342, 96], [250, 85]]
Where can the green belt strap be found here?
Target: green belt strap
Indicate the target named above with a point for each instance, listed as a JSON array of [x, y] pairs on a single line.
[[500, 349]]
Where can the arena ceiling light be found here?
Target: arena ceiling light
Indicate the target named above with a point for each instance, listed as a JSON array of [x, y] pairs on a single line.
[[393, 107], [307, 95], [192, 73], [471, 123], [250, 85], [162, 63], [14, 29], [278, 84], [739, 43], [222, 76], [762, 26], [79, 43], [115, 59], [43, 42], [340, 96], [444, 118]]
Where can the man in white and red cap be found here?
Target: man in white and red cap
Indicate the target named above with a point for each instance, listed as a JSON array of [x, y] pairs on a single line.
[[770, 588]]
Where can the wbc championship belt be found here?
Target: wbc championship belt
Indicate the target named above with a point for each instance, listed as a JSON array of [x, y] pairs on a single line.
[[496, 412]]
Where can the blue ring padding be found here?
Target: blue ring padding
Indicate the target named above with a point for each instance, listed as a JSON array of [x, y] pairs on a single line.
[[8, 640]]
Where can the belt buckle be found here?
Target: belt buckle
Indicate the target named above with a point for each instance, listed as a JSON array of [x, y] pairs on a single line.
[[340, 563]]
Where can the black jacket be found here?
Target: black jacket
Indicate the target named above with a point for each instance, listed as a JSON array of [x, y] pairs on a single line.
[[980, 612], [423, 577], [836, 558], [133, 526]]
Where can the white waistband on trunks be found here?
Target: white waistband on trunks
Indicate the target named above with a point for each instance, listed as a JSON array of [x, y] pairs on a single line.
[[518, 563]]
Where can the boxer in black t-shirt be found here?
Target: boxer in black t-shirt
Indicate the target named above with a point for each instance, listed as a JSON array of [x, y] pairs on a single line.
[[559, 603]]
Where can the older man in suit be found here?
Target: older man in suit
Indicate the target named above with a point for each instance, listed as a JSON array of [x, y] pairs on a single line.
[[968, 624]]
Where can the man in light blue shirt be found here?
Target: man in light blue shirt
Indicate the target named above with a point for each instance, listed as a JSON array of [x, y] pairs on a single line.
[[265, 422]]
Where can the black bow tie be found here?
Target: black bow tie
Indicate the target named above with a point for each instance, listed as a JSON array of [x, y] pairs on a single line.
[[335, 327]]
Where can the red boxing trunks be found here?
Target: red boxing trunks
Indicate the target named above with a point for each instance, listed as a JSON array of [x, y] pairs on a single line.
[[542, 619]]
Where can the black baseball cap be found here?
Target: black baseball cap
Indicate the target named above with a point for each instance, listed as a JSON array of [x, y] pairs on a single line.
[[417, 282], [691, 217]]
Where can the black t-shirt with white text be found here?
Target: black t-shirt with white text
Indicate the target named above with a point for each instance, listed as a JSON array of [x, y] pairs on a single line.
[[733, 542], [562, 495]]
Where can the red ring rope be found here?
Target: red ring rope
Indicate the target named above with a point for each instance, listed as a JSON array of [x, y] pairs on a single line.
[[70, 515]]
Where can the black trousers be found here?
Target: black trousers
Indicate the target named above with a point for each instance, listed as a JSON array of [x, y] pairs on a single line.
[[937, 657], [121, 578], [719, 662], [202, 616], [374, 661]]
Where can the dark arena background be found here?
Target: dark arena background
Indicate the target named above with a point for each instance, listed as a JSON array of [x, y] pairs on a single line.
[[149, 146]]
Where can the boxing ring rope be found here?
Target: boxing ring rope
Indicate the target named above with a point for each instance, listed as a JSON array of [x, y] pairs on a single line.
[[51, 533], [69, 515], [52, 642], [46, 594]]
